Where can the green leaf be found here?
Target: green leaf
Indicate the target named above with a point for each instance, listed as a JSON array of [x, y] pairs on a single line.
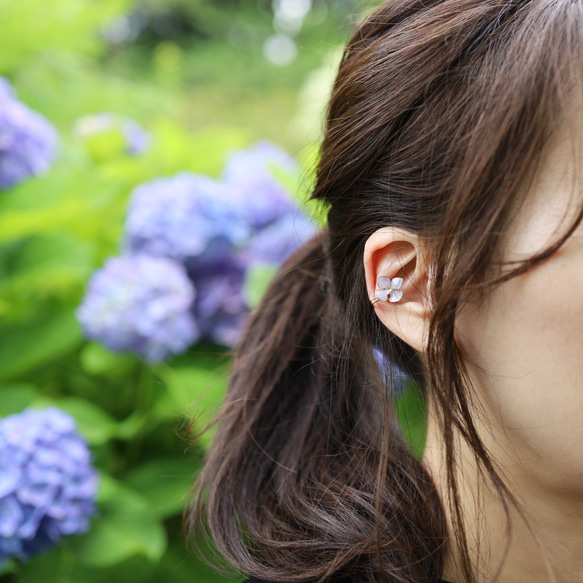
[[15, 224], [57, 566], [50, 250], [94, 424], [16, 397], [48, 263], [8, 566], [204, 152], [136, 569], [257, 281], [30, 27], [23, 348], [96, 359], [165, 483], [126, 526], [180, 567], [74, 198], [107, 144], [196, 384], [291, 182], [411, 412]]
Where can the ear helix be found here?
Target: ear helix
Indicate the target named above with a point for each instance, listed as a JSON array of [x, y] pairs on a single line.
[[388, 289]]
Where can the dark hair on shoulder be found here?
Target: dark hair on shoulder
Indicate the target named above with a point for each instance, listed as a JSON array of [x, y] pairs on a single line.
[[439, 113]]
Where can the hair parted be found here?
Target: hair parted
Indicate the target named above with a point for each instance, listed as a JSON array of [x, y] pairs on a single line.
[[439, 114]]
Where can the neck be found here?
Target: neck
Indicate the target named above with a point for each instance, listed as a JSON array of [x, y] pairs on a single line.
[[541, 541]]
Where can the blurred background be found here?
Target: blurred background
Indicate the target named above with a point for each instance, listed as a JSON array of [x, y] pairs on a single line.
[[155, 160]]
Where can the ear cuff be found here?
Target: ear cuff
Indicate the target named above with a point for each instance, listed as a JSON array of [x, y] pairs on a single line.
[[388, 289]]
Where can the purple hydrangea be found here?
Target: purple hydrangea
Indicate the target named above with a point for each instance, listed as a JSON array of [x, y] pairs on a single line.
[[277, 242], [220, 308], [179, 217], [28, 142], [140, 304], [136, 137], [47, 483], [209, 227], [5, 88], [253, 187]]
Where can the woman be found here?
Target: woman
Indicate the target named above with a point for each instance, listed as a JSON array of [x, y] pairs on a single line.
[[450, 170]]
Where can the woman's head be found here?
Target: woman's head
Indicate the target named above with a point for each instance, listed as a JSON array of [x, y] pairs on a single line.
[[439, 118], [441, 114], [519, 341]]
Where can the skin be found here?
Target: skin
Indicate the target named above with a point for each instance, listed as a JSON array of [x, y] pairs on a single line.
[[524, 347]]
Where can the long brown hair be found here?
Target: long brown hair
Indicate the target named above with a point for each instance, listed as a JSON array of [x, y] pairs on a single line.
[[439, 114]]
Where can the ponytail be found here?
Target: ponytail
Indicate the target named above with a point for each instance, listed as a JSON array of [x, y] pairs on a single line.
[[309, 478]]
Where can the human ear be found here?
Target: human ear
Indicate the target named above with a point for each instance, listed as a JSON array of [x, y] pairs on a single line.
[[394, 252]]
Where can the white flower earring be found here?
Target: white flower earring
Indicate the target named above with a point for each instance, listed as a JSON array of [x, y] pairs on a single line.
[[388, 289]]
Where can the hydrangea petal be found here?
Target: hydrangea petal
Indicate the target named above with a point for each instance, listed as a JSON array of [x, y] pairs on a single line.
[[10, 477], [11, 516]]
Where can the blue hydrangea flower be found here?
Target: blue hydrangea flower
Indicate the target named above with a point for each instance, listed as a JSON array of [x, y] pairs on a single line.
[[47, 483], [140, 304], [137, 138], [179, 217], [277, 242], [28, 142], [253, 187], [220, 308], [5, 88]]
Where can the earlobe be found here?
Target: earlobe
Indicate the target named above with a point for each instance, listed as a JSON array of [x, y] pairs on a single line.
[[397, 276]]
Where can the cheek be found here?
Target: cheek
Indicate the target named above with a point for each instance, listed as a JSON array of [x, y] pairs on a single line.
[[525, 356]]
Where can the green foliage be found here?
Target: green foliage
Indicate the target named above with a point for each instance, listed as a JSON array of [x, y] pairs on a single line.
[[16, 397], [256, 283], [125, 527], [30, 27], [164, 482], [55, 230], [94, 424], [196, 386], [411, 408], [28, 346], [200, 97]]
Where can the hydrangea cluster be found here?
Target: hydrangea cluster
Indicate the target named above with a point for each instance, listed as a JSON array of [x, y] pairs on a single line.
[[177, 217], [219, 278], [28, 142], [215, 231], [278, 241], [141, 304], [47, 483], [254, 190], [136, 137]]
